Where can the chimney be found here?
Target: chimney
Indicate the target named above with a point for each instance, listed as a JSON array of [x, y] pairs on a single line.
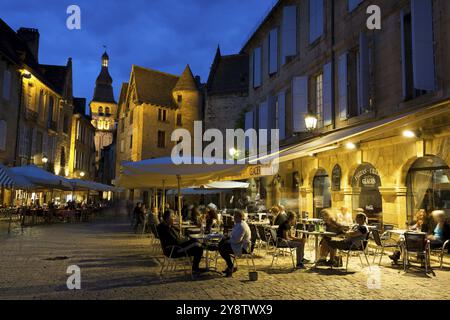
[[198, 81], [31, 37]]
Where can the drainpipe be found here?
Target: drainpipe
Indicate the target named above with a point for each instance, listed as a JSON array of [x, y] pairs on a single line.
[[19, 112]]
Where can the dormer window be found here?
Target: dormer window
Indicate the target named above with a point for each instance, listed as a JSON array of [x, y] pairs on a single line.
[[100, 111], [162, 115], [180, 98], [107, 111]]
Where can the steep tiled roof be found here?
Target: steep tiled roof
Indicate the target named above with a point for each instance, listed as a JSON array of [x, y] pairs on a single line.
[[186, 81], [56, 75], [229, 74], [154, 87]]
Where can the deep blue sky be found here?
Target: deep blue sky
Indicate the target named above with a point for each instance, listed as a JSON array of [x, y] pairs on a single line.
[[161, 34]]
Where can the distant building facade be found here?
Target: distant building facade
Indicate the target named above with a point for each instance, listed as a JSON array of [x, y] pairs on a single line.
[[151, 106]]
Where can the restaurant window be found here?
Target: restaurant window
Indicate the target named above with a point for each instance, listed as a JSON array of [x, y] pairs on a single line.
[[366, 194], [428, 185], [161, 139], [321, 192]]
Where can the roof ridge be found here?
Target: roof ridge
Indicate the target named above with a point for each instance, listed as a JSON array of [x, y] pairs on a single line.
[[155, 71]]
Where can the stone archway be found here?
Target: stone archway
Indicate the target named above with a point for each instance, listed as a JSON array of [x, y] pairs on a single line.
[[321, 187]]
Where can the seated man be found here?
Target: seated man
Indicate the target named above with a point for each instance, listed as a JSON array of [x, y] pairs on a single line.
[[281, 216], [332, 226], [284, 232], [152, 216], [352, 238], [238, 243], [170, 236]]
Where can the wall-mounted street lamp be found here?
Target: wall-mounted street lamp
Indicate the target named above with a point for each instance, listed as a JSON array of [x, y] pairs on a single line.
[[234, 153], [409, 134], [311, 122], [44, 159], [82, 174], [351, 146]]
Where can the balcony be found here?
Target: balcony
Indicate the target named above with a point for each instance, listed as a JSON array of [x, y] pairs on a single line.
[[31, 115]]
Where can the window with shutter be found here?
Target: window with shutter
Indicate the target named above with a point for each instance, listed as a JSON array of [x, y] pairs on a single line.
[[327, 95], [6, 85], [289, 33], [264, 115], [363, 74], [257, 65], [273, 51], [315, 19], [342, 86], [299, 103], [282, 114], [422, 45], [3, 135]]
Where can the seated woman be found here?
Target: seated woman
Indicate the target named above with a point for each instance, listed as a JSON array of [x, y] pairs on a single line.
[[441, 232], [344, 217], [211, 219], [419, 220], [352, 238], [332, 226]]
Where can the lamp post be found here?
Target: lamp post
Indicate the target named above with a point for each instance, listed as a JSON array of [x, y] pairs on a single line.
[[311, 122], [44, 161]]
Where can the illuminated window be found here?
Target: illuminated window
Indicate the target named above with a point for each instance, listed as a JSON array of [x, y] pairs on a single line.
[[100, 110], [107, 111], [180, 98]]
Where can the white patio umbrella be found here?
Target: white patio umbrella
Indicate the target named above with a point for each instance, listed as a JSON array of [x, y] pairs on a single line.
[[163, 172]]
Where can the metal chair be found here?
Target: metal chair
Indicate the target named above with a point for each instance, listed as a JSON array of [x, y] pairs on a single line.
[[386, 234], [416, 243], [264, 236], [441, 253], [247, 256], [174, 256], [254, 235], [381, 245], [359, 247], [281, 247]]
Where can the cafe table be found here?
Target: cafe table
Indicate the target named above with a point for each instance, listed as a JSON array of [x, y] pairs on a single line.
[[205, 240], [317, 235]]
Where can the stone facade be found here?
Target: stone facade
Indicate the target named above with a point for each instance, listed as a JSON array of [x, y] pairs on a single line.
[[377, 130]]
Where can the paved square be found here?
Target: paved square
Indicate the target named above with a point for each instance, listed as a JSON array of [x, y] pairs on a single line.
[[116, 264]]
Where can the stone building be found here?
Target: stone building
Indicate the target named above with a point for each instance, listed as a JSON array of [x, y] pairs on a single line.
[[151, 106], [82, 147], [40, 98], [376, 101], [103, 111], [226, 92]]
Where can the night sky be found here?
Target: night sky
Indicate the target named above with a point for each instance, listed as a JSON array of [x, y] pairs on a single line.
[[161, 34]]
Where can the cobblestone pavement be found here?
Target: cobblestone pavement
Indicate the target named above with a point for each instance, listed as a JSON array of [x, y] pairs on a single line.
[[116, 264]]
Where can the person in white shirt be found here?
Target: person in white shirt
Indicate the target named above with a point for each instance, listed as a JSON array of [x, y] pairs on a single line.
[[344, 217], [239, 242]]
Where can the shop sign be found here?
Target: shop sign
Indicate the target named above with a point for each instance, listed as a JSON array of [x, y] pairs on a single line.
[[367, 177]]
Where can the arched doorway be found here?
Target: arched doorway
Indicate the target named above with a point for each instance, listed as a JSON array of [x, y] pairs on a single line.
[[428, 185], [321, 192], [366, 194]]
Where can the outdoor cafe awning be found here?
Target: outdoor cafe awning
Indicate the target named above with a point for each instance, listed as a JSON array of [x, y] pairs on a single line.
[[41, 178], [84, 185], [9, 180]]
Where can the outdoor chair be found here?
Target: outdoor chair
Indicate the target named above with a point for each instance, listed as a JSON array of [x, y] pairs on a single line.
[[281, 247], [247, 256], [381, 245], [359, 248], [254, 235], [176, 256], [386, 234], [264, 236], [416, 243], [154, 238], [441, 253]]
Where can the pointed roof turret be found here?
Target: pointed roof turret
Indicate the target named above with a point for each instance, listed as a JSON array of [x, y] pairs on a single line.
[[103, 86], [186, 81]]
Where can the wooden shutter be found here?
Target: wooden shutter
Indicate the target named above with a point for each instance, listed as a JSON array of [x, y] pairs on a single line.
[[273, 51], [289, 32], [257, 67], [315, 19], [363, 83], [299, 103], [282, 114], [343, 86], [327, 95], [422, 44], [264, 115]]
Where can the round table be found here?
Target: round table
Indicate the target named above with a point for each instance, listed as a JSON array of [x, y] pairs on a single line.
[[316, 239]]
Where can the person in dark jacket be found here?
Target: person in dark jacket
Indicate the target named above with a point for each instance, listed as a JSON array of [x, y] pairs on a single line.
[[170, 236]]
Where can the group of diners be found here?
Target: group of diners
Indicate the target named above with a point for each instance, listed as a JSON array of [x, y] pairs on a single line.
[[175, 245]]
